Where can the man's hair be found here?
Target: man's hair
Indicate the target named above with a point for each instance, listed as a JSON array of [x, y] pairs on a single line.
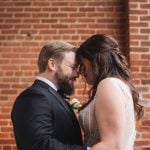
[[55, 50]]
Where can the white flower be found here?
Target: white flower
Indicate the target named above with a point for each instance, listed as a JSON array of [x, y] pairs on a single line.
[[75, 103]]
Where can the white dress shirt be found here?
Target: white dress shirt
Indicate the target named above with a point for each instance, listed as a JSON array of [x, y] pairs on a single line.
[[51, 84]]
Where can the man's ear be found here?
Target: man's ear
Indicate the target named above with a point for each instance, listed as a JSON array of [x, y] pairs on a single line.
[[52, 64]]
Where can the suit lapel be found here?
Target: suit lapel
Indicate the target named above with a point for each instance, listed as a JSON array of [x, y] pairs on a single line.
[[65, 104], [58, 98]]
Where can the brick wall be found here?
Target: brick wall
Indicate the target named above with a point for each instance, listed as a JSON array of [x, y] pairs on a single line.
[[139, 33], [26, 25]]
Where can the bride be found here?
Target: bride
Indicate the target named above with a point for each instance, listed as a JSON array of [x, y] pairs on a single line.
[[108, 118]]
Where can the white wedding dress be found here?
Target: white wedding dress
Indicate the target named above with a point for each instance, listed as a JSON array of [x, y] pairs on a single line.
[[88, 123]]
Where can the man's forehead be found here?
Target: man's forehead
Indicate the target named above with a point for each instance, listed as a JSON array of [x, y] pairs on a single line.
[[69, 57]]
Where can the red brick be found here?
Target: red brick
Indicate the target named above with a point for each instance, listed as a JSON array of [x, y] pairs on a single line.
[[48, 32], [146, 123], [28, 20], [146, 43], [135, 68], [9, 31], [133, 18], [25, 80], [145, 31], [83, 31], [4, 116], [139, 49], [60, 26], [67, 32], [6, 110], [77, 3], [145, 6], [10, 67], [145, 56], [143, 89], [44, 15], [26, 15], [9, 92], [26, 55], [88, 9], [2, 85], [14, 20], [29, 43], [135, 1], [49, 20], [14, 9], [3, 98], [6, 142], [78, 26], [6, 4], [78, 15], [145, 129], [147, 96], [145, 18], [139, 12], [17, 86], [33, 9], [68, 9], [23, 3], [6, 26], [134, 56], [146, 82], [3, 122], [142, 143], [59, 15], [7, 148], [138, 24], [86, 20], [4, 136], [26, 74], [60, 4], [22, 26], [10, 80], [2, 37], [145, 69], [139, 37]]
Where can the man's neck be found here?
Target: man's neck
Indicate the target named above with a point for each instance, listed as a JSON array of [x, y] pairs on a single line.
[[47, 81]]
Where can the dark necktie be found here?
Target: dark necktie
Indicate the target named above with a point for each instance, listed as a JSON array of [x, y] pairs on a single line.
[[64, 96]]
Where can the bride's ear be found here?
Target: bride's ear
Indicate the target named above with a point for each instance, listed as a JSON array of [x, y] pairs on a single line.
[[52, 64]]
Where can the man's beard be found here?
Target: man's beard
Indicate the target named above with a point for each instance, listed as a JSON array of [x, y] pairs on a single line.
[[63, 83]]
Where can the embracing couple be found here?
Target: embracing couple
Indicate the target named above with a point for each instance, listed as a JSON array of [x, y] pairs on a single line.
[[44, 120]]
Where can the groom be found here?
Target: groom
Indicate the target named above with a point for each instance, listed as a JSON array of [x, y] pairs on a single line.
[[42, 118]]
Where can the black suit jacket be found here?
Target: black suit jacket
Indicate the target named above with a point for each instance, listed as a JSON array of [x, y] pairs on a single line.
[[43, 120]]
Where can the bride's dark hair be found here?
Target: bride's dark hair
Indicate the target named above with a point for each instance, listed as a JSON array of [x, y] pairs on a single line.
[[107, 61]]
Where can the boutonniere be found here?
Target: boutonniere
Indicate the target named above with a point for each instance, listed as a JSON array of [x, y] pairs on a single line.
[[75, 103]]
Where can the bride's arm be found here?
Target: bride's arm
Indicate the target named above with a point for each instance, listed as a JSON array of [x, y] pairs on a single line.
[[110, 115]]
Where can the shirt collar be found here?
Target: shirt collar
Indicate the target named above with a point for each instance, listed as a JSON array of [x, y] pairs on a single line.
[[51, 84]]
